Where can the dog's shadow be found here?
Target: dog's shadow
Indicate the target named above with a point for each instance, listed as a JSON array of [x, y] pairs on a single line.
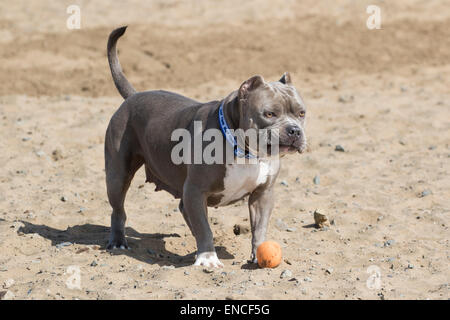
[[146, 247]]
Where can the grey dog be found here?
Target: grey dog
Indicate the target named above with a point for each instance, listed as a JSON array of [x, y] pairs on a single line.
[[139, 133]]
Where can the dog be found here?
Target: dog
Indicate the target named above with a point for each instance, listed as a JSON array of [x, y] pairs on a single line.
[[139, 133]]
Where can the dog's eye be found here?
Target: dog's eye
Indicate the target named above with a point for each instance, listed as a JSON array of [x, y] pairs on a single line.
[[302, 114], [269, 114]]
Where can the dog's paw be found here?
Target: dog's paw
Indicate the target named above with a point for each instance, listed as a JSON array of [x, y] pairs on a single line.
[[117, 244], [208, 259], [253, 258]]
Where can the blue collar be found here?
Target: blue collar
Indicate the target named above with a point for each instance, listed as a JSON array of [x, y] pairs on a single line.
[[230, 137]]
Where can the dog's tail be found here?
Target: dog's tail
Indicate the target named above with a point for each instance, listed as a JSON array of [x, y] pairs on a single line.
[[122, 84]]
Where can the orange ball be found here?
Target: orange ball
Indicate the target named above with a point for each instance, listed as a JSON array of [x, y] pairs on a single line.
[[268, 254]]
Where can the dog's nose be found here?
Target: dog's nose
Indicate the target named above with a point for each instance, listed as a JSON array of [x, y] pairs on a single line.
[[293, 131]]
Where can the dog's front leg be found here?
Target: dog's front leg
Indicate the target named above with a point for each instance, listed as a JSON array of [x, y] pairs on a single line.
[[195, 212], [260, 204]]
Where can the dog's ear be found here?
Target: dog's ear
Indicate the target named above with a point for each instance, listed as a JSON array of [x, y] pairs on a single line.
[[286, 78], [249, 85]]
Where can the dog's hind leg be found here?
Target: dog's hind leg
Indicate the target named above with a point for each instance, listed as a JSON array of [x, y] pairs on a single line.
[[120, 167]]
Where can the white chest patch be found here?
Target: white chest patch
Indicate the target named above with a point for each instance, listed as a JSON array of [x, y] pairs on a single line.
[[241, 179]]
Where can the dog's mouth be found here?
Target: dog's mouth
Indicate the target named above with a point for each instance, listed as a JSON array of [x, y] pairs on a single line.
[[286, 148]]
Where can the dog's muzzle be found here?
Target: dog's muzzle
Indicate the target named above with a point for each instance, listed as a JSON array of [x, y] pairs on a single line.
[[293, 140]]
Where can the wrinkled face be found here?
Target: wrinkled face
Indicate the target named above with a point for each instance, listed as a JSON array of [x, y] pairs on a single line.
[[277, 105]]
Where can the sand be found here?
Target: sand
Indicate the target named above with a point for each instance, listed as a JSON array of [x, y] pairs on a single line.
[[382, 95]]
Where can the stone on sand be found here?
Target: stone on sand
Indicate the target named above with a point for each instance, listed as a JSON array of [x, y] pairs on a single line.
[[8, 283], [320, 219]]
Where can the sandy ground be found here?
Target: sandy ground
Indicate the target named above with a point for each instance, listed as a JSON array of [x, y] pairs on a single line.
[[383, 95]]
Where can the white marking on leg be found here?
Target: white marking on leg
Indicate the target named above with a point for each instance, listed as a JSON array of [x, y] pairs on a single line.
[[121, 247], [208, 259], [263, 172]]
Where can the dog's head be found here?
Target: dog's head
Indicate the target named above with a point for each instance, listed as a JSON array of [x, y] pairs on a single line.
[[276, 107]]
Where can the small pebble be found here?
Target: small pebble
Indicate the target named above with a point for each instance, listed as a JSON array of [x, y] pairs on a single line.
[[389, 243], [168, 267], [63, 198], [425, 193], [284, 183], [63, 244], [345, 98], [286, 274], [339, 148], [240, 229], [94, 263], [57, 155], [8, 283], [320, 219], [30, 214], [316, 180]]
